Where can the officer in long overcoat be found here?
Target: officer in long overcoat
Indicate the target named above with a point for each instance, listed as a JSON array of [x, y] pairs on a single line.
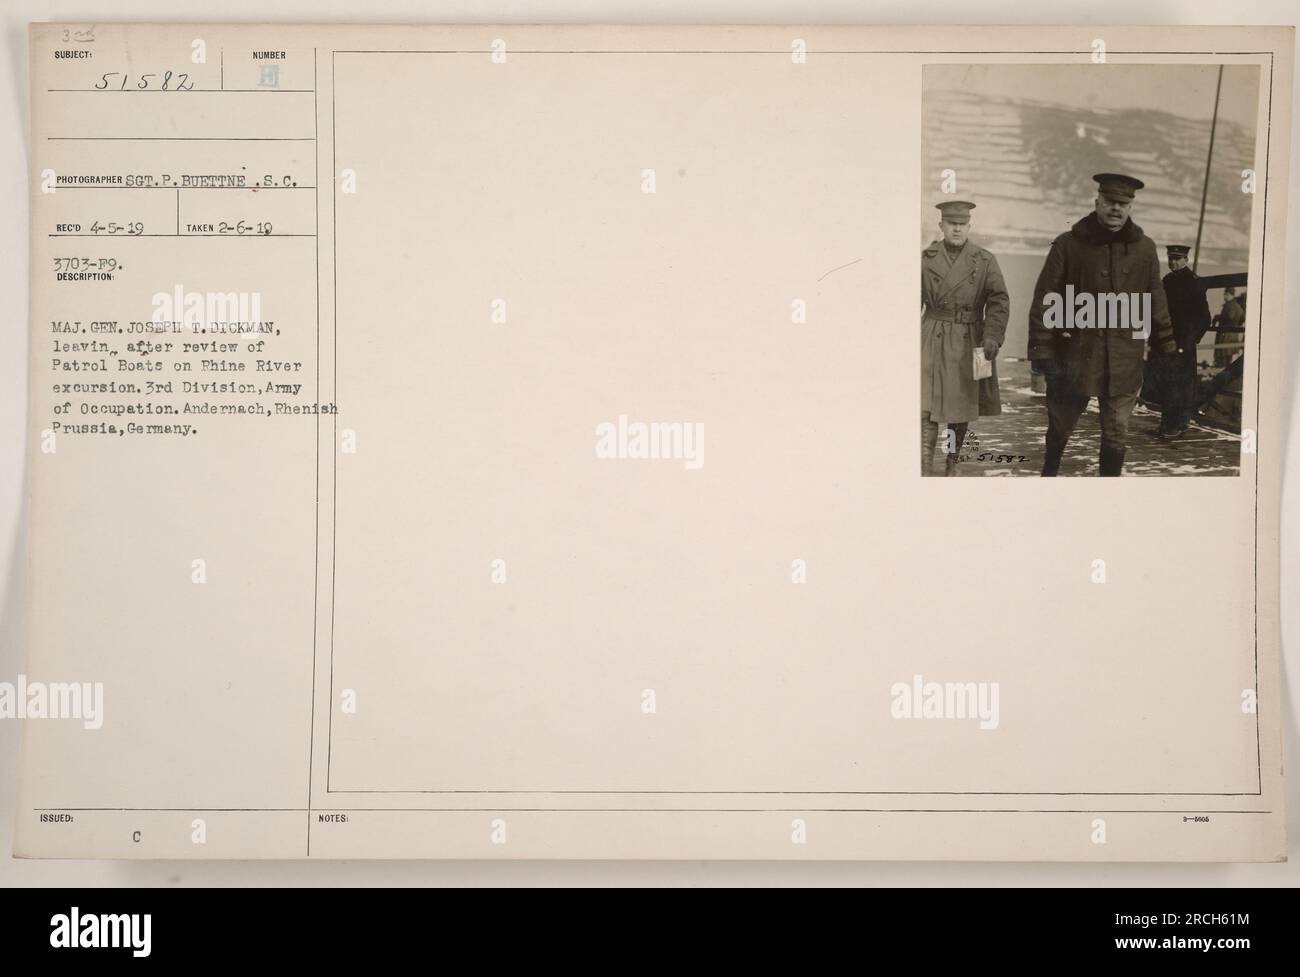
[[1104, 254], [964, 307]]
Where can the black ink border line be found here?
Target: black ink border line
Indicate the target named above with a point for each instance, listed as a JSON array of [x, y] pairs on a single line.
[[315, 596], [334, 461]]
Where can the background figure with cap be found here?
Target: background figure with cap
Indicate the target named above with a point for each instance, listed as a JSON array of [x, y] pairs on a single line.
[[1103, 254], [1228, 325], [1189, 312], [964, 307]]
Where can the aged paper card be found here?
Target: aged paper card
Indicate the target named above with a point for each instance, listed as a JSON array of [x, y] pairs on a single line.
[[499, 442]]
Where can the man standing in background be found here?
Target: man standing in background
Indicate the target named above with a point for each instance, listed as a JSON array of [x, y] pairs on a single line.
[[1228, 325], [1189, 313]]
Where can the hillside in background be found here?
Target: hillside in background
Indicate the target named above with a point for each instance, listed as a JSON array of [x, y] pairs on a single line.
[[1028, 165]]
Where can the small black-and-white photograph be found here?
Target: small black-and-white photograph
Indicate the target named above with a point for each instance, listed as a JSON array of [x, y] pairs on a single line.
[[1084, 285]]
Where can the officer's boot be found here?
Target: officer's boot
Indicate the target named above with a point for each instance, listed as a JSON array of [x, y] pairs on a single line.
[[1053, 448], [956, 436], [929, 437], [1112, 461]]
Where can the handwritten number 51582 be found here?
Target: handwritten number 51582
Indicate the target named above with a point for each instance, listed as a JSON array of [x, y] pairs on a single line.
[[170, 82]]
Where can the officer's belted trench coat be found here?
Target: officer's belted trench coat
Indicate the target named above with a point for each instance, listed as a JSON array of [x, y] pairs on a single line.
[[962, 301]]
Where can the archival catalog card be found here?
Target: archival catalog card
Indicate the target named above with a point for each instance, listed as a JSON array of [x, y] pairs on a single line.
[[529, 442]]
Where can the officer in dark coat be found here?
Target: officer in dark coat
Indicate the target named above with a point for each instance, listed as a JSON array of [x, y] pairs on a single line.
[[1102, 257], [964, 308], [1189, 312]]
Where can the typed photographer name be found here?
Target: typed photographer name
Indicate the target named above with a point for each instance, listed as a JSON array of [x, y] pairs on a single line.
[[1098, 310]]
